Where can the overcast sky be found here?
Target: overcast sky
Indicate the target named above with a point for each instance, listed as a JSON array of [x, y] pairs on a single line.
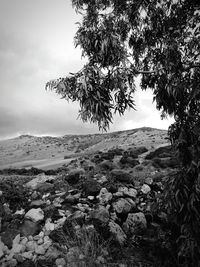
[[36, 45]]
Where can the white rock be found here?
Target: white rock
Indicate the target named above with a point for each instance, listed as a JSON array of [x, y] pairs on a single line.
[[40, 250], [130, 192], [20, 212], [104, 196], [145, 189], [123, 205], [40, 241], [16, 240], [41, 178], [17, 248], [27, 255], [90, 197], [30, 246], [35, 215], [24, 240]]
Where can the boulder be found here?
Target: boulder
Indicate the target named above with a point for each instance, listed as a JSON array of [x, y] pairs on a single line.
[[135, 223], [91, 188], [121, 175], [123, 205], [29, 227], [130, 192], [117, 232], [100, 215], [73, 176], [129, 161], [35, 215], [35, 183]]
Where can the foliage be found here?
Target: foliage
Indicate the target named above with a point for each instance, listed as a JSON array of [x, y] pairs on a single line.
[[160, 41]]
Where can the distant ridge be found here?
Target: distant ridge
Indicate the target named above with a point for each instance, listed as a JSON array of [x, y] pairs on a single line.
[[147, 129]]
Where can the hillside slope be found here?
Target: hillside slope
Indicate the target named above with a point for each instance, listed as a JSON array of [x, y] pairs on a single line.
[[51, 152]]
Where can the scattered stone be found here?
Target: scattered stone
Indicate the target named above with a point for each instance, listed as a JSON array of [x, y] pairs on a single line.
[[35, 183], [35, 215], [104, 196], [145, 189]]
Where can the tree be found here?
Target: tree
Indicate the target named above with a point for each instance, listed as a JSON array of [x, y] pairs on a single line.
[[160, 41]]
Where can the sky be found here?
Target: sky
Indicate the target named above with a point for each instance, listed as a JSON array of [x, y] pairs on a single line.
[[36, 45]]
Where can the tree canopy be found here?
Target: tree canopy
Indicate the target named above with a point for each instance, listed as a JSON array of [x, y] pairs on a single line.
[[159, 40]]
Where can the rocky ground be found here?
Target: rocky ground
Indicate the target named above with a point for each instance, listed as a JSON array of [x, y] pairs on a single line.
[[102, 209]]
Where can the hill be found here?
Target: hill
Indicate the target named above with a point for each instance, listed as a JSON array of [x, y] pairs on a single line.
[[49, 152]]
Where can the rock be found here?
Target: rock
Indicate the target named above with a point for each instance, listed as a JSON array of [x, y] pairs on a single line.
[[135, 223], [16, 240], [17, 248], [24, 240], [100, 215], [29, 228], [44, 187], [104, 196], [30, 246], [27, 255], [8, 236], [35, 215], [106, 165], [117, 232], [74, 176], [123, 205], [149, 181], [90, 198], [130, 192], [19, 257], [121, 175], [129, 161], [49, 226], [145, 189], [20, 212], [60, 262], [91, 188], [40, 250], [1, 249], [35, 183], [37, 203], [100, 179], [12, 263]]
